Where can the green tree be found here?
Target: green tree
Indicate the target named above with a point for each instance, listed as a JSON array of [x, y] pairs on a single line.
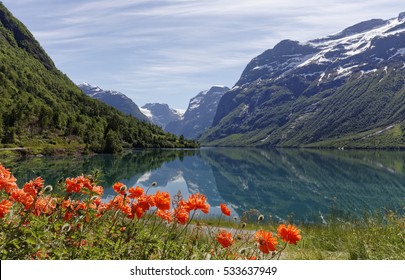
[[112, 142]]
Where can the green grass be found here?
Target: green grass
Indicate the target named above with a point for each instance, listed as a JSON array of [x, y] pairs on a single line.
[[374, 236], [377, 237]]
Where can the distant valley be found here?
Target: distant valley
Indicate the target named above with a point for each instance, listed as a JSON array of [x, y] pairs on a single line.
[[343, 90], [161, 114], [190, 123], [199, 115]]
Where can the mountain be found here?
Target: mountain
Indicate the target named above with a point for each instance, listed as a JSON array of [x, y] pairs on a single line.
[[42, 109], [200, 113], [115, 99], [343, 90], [161, 114]]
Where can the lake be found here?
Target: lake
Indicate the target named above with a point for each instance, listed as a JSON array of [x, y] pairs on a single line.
[[303, 185]]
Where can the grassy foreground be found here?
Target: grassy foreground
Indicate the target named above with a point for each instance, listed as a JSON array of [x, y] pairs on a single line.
[[71, 221], [371, 237], [376, 236]]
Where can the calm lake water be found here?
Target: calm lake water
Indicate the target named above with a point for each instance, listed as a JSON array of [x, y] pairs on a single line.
[[304, 184]]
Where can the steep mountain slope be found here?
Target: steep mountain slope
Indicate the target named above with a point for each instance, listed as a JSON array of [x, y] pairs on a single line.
[[347, 89], [41, 108], [115, 99], [161, 114], [200, 113]]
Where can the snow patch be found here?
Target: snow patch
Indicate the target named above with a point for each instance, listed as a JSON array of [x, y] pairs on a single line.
[[146, 112], [351, 45], [265, 139], [320, 78], [196, 101], [179, 112], [371, 71], [400, 52], [219, 86]]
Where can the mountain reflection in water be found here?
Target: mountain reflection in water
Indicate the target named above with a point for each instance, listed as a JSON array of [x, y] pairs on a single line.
[[304, 184]]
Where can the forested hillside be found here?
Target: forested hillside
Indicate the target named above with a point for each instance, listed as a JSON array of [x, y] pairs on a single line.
[[42, 107]]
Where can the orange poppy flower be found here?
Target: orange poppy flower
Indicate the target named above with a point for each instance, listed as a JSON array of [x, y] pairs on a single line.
[[96, 202], [161, 200], [80, 206], [126, 209], [68, 215], [144, 202], [165, 215], [181, 216], [7, 180], [225, 238], [182, 204], [289, 234], [4, 172], [71, 186], [44, 205], [135, 192], [67, 204], [266, 241], [76, 185], [137, 211], [72, 207], [5, 206], [16, 194], [101, 208], [25, 199], [118, 202], [34, 186], [99, 190], [225, 210], [198, 202], [120, 188]]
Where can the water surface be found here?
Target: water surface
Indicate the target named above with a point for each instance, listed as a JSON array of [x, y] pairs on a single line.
[[302, 184]]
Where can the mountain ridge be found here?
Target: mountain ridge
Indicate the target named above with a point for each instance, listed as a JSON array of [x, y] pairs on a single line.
[[161, 114], [199, 114], [325, 92], [115, 99]]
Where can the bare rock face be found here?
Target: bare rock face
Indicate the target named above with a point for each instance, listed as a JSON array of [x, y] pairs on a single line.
[[200, 113]]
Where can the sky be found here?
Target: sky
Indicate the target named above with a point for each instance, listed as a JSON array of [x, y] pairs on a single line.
[[168, 51]]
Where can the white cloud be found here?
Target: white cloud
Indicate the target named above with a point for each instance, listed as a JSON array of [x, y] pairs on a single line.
[[169, 50]]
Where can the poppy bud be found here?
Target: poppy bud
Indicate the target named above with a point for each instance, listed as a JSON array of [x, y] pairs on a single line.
[[242, 251], [66, 228]]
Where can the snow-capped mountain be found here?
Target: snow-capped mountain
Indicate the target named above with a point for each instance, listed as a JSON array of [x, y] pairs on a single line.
[[115, 99], [363, 46], [161, 114], [349, 85], [200, 113]]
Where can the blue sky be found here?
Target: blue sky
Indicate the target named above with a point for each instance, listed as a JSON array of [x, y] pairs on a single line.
[[169, 50]]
